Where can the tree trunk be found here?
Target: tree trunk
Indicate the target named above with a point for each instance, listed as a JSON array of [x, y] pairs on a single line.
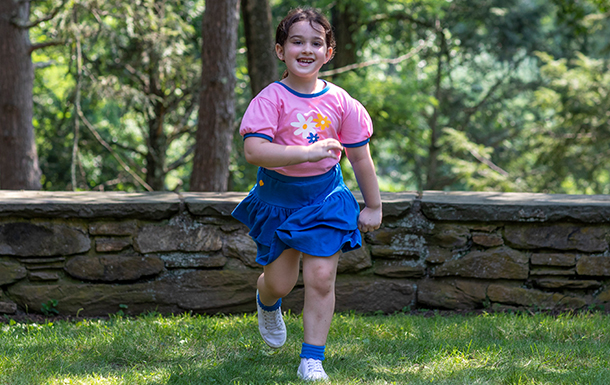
[[19, 168], [157, 139], [433, 180], [262, 62], [217, 102], [345, 21]]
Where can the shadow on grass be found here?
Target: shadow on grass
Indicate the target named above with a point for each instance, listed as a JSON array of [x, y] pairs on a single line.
[[362, 350]]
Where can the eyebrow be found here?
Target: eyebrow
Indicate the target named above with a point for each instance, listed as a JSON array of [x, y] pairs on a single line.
[[302, 37]]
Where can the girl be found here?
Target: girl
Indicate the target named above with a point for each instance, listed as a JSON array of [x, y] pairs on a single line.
[[295, 130]]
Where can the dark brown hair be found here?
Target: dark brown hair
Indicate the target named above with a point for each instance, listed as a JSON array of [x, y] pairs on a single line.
[[305, 14]]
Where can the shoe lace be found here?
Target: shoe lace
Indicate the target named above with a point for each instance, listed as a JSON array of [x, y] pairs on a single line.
[[272, 319], [314, 366]]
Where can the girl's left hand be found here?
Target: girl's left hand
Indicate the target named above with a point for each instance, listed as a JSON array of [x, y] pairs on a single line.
[[369, 219]]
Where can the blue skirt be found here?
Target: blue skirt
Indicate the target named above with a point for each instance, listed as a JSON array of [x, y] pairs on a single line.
[[316, 215]]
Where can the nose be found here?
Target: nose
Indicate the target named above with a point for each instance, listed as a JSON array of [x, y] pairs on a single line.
[[307, 48]]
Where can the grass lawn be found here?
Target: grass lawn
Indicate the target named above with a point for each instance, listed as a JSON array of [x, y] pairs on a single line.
[[496, 348]]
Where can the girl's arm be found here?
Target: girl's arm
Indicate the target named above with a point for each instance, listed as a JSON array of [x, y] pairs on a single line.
[[370, 216], [260, 152]]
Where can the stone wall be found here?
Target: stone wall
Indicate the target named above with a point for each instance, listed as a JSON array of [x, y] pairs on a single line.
[[100, 253]]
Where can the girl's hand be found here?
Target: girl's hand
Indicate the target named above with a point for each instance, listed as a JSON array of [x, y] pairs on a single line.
[[369, 219], [327, 148]]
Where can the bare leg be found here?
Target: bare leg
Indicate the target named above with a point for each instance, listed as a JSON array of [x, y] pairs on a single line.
[[279, 277], [319, 275]]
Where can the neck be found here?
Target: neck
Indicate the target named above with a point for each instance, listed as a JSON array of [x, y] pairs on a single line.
[[304, 87]]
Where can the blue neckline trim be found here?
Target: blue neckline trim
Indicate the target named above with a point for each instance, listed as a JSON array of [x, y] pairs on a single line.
[[359, 144], [258, 136], [300, 95]]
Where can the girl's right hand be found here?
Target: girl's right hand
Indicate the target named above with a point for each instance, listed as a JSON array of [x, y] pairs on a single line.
[[327, 148]]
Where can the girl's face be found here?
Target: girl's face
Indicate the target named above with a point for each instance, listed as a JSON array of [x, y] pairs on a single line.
[[305, 50]]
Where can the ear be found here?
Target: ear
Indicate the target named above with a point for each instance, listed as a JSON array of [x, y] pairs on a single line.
[[279, 52], [329, 54]]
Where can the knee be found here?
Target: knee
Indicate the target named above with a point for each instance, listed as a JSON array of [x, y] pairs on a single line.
[[279, 290], [322, 281], [276, 288]]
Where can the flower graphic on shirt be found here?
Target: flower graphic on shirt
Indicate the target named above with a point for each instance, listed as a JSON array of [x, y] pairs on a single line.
[[322, 122], [305, 127], [313, 137]]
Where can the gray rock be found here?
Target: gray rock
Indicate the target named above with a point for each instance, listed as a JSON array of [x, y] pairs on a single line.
[[8, 307], [355, 260], [191, 237], [25, 239], [212, 203], [111, 244], [593, 265], [399, 269], [487, 239], [498, 263], [113, 228], [561, 236], [363, 295], [241, 246], [42, 276], [193, 260], [553, 259], [178, 291], [89, 204], [515, 207], [450, 236], [396, 243], [113, 268], [451, 294], [563, 284], [519, 296], [11, 272]]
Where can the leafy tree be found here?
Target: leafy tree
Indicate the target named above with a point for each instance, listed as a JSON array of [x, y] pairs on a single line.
[[138, 83]]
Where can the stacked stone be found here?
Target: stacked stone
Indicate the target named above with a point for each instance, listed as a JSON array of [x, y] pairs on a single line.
[[100, 253]]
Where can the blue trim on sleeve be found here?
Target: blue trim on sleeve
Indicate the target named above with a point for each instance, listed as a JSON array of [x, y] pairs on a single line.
[[258, 136], [359, 144], [300, 95]]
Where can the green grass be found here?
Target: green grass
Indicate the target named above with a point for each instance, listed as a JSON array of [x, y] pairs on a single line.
[[496, 348]]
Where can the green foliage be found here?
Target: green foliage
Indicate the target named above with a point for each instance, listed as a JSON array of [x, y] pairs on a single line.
[[139, 90], [49, 308], [569, 144], [504, 95]]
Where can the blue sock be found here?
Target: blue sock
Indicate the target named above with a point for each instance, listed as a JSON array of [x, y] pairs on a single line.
[[312, 351], [269, 308]]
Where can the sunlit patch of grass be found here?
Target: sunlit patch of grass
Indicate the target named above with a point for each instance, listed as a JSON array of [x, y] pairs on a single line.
[[362, 349]]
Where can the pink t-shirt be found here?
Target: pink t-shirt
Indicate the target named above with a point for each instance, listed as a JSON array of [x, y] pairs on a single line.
[[284, 116]]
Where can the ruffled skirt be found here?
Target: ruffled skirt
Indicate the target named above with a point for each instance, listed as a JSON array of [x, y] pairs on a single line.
[[316, 215]]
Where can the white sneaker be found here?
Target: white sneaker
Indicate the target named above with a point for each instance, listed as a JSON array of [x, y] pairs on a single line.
[[311, 370], [271, 326]]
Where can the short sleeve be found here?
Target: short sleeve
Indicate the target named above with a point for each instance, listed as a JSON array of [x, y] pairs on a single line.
[[260, 119], [357, 126]]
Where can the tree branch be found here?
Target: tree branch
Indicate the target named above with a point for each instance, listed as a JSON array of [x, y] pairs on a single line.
[[25, 25], [472, 110], [487, 162], [400, 16], [369, 63], [45, 64], [116, 156], [50, 43], [180, 161]]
